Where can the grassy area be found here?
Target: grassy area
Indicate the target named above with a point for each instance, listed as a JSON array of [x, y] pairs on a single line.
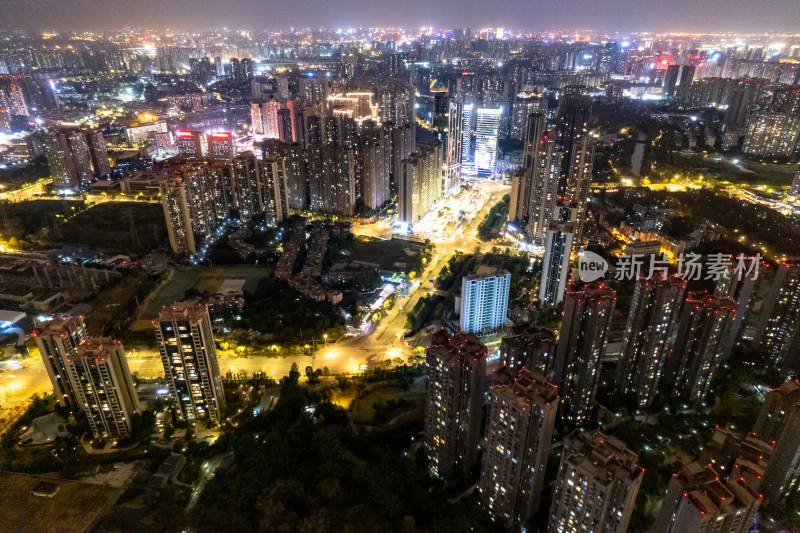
[[492, 225], [72, 508], [23, 220], [383, 404], [389, 254], [107, 227], [204, 280], [116, 304]]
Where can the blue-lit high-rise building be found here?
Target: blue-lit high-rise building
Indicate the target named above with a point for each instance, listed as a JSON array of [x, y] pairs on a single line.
[[486, 132]]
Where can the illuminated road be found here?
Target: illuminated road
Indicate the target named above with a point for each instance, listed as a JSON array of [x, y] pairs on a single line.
[[349, 355]]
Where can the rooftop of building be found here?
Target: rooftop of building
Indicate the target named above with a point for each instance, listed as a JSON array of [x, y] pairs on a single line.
[[527, 386], [486, 271], [458, 345], [605, 457], [97, 347], [186, 310]]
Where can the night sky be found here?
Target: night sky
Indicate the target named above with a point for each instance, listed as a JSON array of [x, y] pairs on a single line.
[[614, 15]]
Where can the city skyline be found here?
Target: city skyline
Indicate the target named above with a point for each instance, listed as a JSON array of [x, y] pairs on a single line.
[[772, 16]]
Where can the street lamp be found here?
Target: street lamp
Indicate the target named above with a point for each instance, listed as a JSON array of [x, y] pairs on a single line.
[[326, 339]]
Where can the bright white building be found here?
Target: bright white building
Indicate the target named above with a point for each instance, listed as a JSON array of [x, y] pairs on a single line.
[[484, 300], [486, 130]]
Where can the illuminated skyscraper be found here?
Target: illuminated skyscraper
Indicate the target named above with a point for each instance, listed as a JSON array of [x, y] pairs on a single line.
[[581, 346], [264, 118], [699, 344], [175, 203], [484, 300], [557, 250], [220, 146], [455, 371], [649, 336], [772, 134], [419, 184], [186, 344], [467, 144], [101, 383], [331, 179], [448, 121], [598, 481], [191, 144], [779, 327], [519, 430], [58, 340], [534, 190], [486, 132]]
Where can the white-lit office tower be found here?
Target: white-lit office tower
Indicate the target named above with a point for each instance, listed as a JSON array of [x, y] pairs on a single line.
[[529, 346], [649, 335], [557, 249], [698, 499], [742, 290], [487, 126], [331, 179], [455, 372], [597, 484], [779, 326], [534, 190], [484, 300], [581, 346], [186, 344], [698, 350], [101, 382], [420, 184], [264, 118], [469, 115], [519, 431], [58, 340]]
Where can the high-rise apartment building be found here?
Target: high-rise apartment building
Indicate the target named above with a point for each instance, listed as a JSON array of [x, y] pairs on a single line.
[[534, 191], [677, 79], [99, 153], [649, 335], [186, 344], [531, 347], [331, 179], [455, 371], [101, 383], [191, 144], [577, 147], [557, 250], [264, 118], [581, 346], [742, 290], [175, 203], [419, 183], [484, 300], [519, 430], [375, 174], [698, 499], [699, 345], [448, 121], [70, 154], [220, 146], [597, 484], [259, 188], [58, 340], [771, 133], [778, 329], [524, 106]]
